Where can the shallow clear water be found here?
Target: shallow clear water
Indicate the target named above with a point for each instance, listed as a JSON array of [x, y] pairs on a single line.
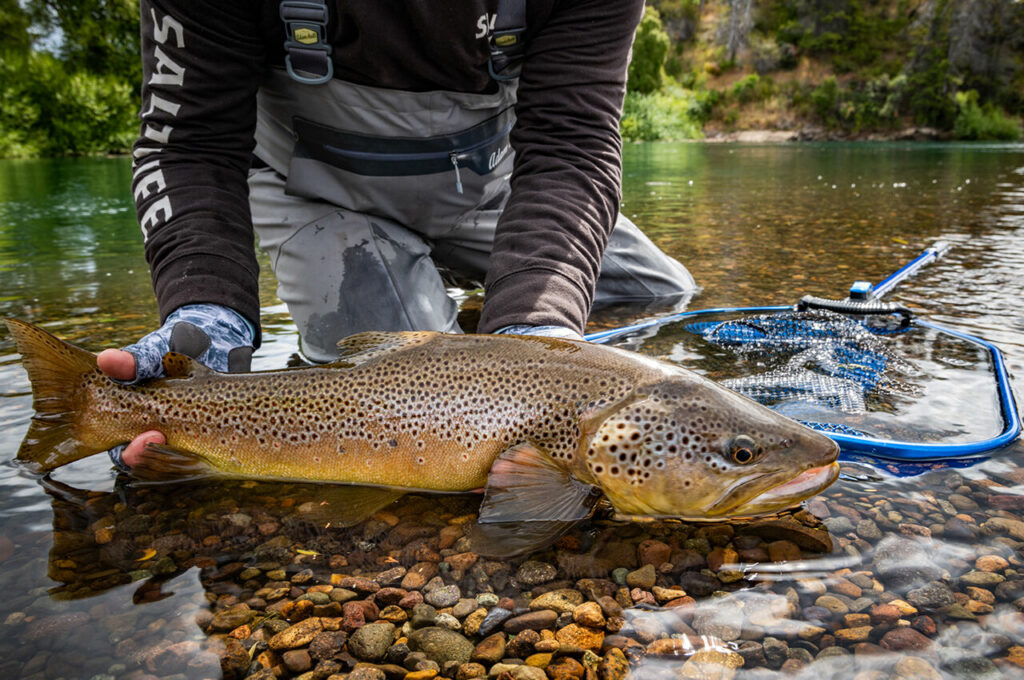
[[755, 225]]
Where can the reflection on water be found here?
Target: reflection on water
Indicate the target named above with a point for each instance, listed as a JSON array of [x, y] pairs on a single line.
[[880, 573]]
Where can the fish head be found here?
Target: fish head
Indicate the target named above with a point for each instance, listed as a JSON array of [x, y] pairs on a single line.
[[687, 447]]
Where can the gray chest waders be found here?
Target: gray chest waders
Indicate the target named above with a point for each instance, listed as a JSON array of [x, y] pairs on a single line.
[[369, 189]]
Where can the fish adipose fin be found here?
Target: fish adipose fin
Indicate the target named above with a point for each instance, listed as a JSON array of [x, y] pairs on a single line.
[[55, 369], [163, 463], [526, 485], [362, 347]]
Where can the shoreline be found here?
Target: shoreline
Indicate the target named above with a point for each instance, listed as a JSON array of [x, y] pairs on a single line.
[[819, 134]]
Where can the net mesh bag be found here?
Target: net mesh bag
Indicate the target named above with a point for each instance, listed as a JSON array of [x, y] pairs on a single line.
[[812, 362]]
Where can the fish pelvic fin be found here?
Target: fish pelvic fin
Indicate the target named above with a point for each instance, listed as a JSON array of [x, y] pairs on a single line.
[[165, 463], [55, 370], [526, 485]]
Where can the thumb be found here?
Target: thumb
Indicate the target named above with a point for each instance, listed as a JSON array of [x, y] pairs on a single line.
[[117, 364]]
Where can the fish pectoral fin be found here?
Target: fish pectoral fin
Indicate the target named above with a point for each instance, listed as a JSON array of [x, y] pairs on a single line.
[[527, 485], [340, 506], [362, 347], [177, 365], [163, 463]]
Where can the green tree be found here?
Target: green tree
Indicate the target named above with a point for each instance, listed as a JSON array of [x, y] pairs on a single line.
[[930, 79], [647, 68], [14, 24], [99, 36]]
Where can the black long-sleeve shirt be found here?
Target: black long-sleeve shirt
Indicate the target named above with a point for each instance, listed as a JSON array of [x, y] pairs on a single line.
[[203, 61]]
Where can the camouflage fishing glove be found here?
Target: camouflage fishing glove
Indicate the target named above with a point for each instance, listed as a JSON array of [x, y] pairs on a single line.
[[213, 335], [545, 331]]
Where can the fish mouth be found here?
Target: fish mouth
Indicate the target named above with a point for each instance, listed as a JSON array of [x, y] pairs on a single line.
[[805, 484], [786, 492], [808, 483]]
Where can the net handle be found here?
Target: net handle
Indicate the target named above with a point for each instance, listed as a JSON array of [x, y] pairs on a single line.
[[863, 307], [929, 255]]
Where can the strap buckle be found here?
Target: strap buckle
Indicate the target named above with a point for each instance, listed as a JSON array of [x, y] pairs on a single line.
[[507, 49], [306, 47]]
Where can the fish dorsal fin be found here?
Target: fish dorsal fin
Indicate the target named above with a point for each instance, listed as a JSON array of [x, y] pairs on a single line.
[[177, 365], [527, 485], [362, 347]]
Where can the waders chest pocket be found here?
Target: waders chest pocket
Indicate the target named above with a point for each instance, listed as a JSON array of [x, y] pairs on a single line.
[[479, 149]]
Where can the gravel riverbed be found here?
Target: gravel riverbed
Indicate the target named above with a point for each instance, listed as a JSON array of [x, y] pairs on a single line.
[[860, 583]]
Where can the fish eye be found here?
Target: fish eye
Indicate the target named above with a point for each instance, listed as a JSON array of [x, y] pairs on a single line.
[[743, 450]]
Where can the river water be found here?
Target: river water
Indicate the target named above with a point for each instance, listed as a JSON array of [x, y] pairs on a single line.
[[102, 578]]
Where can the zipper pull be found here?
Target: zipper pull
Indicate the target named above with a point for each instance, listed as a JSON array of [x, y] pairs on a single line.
[[458, 178]]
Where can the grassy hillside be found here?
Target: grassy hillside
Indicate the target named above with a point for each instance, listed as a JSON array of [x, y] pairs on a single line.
[[828, 69]]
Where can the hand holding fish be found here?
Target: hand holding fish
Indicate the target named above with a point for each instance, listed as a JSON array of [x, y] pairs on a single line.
[[216, 336]]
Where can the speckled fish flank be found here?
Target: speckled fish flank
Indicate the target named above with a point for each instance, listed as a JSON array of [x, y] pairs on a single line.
[[539, 422]]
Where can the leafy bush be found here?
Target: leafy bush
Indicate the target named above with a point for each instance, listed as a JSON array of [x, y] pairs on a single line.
[[752, 88], [825, 102], [674, 114], [647, 68], [48, 111], [983, 122]]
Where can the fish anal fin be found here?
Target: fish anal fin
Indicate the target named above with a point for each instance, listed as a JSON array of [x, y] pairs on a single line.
[[177, 365], [165, 463], [362, 347], [504, 540], [342, 506], [527, 485]]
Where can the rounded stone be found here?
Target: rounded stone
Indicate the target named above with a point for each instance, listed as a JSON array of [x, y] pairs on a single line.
[[582, 637], [902, 639], [853, 635], [297, 660], [653, 552], [991, 563], [644, 577], [562, 600], [441, 645], [589, 614], [447, 596], [982, 579], [298, 635], [371, 642], [232, 617], [490, 650], [537, 620], [532, 573], [931, 596], [833, 604]]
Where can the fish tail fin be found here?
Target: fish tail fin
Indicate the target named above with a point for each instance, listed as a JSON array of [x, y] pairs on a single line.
[[55, 369]]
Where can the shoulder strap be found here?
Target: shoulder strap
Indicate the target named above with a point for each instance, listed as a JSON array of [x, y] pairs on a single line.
[[508, 40], [305, 46]]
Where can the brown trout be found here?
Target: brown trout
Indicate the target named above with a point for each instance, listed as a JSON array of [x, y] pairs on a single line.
[[541, 424]]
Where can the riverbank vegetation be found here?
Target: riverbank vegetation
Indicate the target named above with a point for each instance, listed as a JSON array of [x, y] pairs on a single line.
[[830, 69], [69, 71]]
